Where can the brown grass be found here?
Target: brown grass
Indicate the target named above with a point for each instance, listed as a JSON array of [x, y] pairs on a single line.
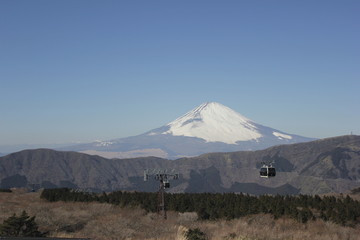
[[105, 221]]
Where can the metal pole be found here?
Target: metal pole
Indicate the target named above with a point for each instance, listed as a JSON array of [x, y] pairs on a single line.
[[161, 199]]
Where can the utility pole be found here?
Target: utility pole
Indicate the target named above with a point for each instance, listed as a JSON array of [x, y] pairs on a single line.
[[163, 176]]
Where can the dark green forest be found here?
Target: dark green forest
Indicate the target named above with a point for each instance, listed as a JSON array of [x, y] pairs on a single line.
[[341, 210]]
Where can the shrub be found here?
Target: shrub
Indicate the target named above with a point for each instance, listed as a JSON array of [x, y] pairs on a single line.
[[22, 226], [5, 190], [195, 234]]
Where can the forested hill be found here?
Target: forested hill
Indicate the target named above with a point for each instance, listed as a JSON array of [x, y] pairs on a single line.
[[322, 166]]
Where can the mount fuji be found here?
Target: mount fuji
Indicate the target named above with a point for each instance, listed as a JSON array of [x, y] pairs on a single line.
[[210, 127]]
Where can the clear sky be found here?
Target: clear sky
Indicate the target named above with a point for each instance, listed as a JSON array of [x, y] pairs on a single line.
[[77, 71]]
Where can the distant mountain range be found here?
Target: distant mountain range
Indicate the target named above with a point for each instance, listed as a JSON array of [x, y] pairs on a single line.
[[316, 167], [211, 127]]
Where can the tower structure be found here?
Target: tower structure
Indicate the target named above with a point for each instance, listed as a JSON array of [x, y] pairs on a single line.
[[163, 176]]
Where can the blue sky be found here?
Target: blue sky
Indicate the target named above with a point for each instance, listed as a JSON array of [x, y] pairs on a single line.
[[77, 71]]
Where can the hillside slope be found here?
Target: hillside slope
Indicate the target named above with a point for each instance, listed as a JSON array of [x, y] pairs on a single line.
[[322, 166]]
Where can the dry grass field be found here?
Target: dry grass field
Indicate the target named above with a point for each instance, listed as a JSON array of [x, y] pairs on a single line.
[[105, 221]]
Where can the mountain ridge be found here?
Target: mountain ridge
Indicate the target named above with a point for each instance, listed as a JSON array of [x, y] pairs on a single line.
[[317, 167]]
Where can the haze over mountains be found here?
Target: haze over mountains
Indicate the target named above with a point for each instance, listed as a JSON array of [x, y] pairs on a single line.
[[216, 136], [210, 127], [316, 167]]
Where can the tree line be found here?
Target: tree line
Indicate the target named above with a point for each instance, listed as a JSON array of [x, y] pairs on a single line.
[[342, 210]]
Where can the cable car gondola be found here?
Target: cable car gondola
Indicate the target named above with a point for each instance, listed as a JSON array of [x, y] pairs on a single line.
[[166, 184], [267, 170]]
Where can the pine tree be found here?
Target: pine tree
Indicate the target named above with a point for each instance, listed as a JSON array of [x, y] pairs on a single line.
[[22, 226]]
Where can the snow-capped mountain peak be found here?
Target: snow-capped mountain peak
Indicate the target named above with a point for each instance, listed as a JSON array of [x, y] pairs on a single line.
[[214, 122], [210, 127]]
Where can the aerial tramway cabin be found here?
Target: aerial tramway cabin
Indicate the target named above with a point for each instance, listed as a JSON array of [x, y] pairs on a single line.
[[267, 171]]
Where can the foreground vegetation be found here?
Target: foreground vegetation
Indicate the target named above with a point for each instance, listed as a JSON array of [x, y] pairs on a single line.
[[214, 206], [105, 221], [20, 226]]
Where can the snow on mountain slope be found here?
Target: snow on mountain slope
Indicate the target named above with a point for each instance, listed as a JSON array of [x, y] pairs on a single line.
[[214, 122], [282, 136], [211, 127]]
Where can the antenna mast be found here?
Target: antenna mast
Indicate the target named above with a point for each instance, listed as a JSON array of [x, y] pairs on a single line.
[[163, 176]]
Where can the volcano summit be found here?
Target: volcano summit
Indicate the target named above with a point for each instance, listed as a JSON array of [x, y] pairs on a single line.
[[210, 127], [214, 122]]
